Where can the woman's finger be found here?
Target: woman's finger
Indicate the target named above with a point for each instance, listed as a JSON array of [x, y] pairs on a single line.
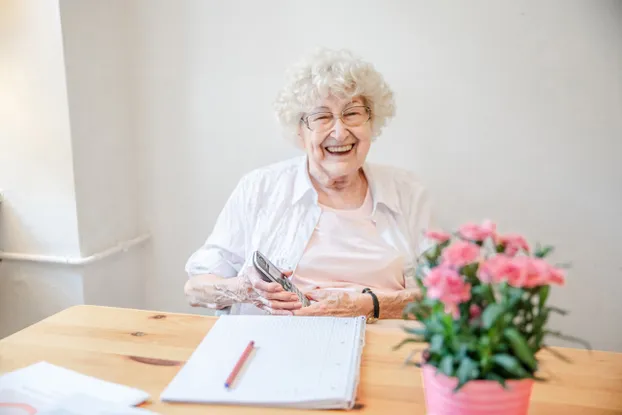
[[278, 312], [273, 311], [271, 287], [280, 305], [280, 296]]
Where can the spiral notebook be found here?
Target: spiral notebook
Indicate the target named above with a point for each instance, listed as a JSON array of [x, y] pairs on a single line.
[[297, 362]]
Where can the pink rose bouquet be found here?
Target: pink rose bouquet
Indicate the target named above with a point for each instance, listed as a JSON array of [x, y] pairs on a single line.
[[484, 306]]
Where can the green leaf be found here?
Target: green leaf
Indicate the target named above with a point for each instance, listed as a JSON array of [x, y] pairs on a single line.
[[447, 322], [520, 347], [511, 365], [420, 311], [409, 360], [416, 331], [436, 344], [557, 354], [542, 251], [478, 290], [461, 351], [574, 339], [558, 310], [447, 365], [486, 363], [540, 320], [485, 351], [470, 270], [536, 341], [491, 314], [432, 257], [468, 370], [502, 348], [484, 291], [484, 344], [544, 294], [495, 377], [422, 287], [515, 296], [406, 341], [435, 326]]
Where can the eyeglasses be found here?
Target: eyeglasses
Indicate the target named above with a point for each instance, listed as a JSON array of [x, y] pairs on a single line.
[[351, 117]]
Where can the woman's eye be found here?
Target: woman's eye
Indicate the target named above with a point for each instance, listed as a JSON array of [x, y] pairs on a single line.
[[322, 118]]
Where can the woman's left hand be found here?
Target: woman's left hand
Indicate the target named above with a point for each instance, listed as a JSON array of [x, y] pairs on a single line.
[[336, 303]]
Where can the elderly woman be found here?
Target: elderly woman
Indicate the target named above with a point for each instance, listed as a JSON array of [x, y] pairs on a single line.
[[346, 232]]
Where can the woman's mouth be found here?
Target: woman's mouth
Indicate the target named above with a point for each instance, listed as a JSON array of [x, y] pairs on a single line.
[[340, 150]]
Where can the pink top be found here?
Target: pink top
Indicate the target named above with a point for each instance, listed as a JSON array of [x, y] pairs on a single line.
[[346, 252]]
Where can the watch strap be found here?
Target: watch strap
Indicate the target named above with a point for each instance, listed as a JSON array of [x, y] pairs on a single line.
[[375, 301]]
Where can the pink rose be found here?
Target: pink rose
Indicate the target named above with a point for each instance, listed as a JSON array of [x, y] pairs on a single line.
[[519, 271], [438, 236], [534, 272], [475, 311], [556, 276], [544, 274], [512, 243], [446, 285], [460, 254], [498, 268], [477, 233]]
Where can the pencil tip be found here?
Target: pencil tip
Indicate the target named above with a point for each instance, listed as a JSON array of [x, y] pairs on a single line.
[[227, 385]]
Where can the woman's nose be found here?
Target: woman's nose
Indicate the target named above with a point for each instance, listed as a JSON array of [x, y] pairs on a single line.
[[340, 132]]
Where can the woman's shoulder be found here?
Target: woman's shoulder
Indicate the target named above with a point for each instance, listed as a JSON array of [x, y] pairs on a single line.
[[397, 178], [278, 167], [406, 193], [274, 172]]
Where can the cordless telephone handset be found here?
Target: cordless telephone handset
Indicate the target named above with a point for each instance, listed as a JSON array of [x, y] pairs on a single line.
[[270, 273]]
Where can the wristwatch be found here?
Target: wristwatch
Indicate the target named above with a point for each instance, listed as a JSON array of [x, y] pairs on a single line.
[[374, 315]]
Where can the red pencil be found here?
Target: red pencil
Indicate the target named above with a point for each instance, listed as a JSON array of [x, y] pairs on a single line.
[[239, 364]]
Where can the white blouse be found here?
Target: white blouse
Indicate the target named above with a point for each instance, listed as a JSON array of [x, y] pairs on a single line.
[[274, 209]]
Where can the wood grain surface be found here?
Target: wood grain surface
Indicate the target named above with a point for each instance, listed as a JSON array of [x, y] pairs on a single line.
[[145, 349]]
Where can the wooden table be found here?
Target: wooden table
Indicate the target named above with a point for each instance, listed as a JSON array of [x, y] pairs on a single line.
[[145, 349]]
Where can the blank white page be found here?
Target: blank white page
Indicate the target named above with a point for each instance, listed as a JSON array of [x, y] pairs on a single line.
[[49, 383], [297, 361]]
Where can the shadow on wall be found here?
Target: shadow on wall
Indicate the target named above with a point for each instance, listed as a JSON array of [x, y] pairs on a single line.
[[30, 292]]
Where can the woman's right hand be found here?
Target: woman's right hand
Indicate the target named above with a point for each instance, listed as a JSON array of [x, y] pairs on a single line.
[[269, 296]]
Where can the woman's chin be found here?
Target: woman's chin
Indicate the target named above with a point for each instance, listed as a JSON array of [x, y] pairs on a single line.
[[340, 168]]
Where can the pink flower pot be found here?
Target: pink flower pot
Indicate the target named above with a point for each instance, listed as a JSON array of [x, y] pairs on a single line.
[[479, 397]]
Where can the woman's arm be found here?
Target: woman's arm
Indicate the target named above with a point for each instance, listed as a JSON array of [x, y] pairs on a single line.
[[392, 305], [342, 304], [212, 291]]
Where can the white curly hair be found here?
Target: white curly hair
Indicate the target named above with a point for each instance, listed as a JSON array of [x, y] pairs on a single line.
[[333, 72]]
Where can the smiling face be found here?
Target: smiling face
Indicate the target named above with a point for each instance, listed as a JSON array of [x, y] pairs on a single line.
[[337, 148]]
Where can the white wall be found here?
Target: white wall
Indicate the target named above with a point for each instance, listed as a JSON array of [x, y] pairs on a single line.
[[98, 43], [508, 110], [38, 215], [67, 157]]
